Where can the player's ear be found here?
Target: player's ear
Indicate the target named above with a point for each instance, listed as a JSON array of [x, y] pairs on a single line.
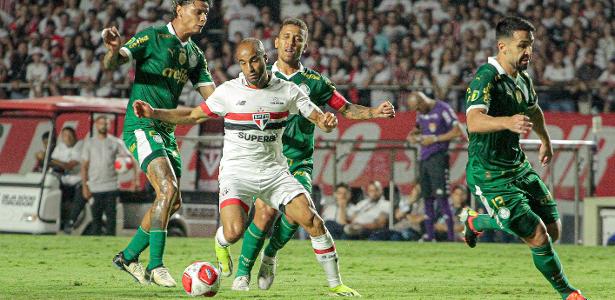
[[501, 46], [266, 58], [275, 42]]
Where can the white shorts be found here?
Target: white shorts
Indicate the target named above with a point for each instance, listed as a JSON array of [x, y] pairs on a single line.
[[276, 188]]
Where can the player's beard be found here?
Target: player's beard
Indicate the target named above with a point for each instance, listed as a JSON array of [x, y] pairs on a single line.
[[523, 66]]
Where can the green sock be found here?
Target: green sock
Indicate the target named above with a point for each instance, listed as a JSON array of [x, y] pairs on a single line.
[[283, 231], [157, 239], [547, 262], [484, 221], [253, 240], [137, 244]]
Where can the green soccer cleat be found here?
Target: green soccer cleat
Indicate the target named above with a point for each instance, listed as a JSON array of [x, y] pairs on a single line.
[[343, 290], [470, 235], [225, 261]]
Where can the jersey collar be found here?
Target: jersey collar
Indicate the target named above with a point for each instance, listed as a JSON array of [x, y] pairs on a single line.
[[494, 62], [275, 69], [172, 31], [245, 83]]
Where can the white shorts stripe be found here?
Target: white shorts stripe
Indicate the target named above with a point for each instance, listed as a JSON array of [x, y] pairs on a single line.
[[143, 147]]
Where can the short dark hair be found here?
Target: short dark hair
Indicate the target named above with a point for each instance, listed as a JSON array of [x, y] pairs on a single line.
[[184, 2], [508, 25], [297, 22], [70, 129], [342, 185], [45, 136]]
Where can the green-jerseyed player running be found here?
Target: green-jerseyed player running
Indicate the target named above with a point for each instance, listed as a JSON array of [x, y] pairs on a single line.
[[298, 140], [166, 58], [501, 105]]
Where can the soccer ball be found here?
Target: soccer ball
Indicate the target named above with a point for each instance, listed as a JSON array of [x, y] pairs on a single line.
[[123, 164], [201, 279]]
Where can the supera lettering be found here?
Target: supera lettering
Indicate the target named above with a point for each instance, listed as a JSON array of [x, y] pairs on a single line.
[[257, 138]]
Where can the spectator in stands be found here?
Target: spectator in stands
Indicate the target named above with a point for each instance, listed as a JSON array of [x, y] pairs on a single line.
[[87, 72], [36, 73], [369, 215], [293, 9], [436, 126], [4, 79], [409, 218], [241, 18], [379, 73], [334, 212], [66, 159], [98, 176]]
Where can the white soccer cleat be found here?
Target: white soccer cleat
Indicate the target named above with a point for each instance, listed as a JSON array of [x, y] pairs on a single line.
[[134, 268], [161, 277], [241, 283], [266, 274]]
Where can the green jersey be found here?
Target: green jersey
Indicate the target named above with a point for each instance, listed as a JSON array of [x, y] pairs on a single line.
[[163, 66], [497, 157], [298, 138]]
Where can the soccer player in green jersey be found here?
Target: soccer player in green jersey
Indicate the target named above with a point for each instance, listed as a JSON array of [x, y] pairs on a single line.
[[298, 140], [501, 105], [166, 58]]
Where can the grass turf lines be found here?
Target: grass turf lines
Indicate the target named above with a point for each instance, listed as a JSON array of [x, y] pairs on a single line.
[[67, 267]]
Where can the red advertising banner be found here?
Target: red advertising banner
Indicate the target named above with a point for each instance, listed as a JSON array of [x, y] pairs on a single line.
[[357, 162]]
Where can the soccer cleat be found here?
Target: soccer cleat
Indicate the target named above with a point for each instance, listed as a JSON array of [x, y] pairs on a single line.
[[576, 295], [225, 261], [343, 291], [160, 276], [470, 235], [134, 268], [241, 283], [266, 273]]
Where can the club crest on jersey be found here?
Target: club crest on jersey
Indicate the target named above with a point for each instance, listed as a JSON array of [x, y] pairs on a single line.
[[182, 56], [192, 60], [261, 120]]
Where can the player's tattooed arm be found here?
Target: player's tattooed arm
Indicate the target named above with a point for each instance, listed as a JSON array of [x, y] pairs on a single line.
[[113, 58], [360, 112], [195, 115]]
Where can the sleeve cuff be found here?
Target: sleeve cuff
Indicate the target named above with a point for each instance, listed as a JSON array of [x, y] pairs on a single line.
[[477, 106], [208, 111], [126, 52], [200, 84]]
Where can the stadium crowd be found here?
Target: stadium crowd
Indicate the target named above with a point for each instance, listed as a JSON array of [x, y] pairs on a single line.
[[365, 46]]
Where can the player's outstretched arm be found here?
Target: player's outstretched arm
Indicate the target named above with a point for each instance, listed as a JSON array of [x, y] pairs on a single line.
[[479, 122], [360, 112], [325, 121], [195, 115], [538, 119], [113, 58]]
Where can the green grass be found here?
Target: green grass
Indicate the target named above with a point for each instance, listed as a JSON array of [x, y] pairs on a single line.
[[61, 267]]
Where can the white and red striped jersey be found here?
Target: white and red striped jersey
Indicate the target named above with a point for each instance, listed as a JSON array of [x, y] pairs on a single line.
[[254, 120]]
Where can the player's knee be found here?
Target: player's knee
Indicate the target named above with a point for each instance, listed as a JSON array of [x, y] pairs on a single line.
[[168, 191], [539, 238], [233, 232], [177, 204], [314, 225], [263, 218]]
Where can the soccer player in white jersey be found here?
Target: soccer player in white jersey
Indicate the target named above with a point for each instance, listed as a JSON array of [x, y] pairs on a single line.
[[255, 106]]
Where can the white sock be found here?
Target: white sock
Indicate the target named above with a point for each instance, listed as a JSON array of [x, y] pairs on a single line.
[[324, 248], [220, 238]]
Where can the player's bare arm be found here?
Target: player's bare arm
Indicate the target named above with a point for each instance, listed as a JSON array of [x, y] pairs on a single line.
[[85, 188], [538, 119], [360, 112], [325, 121], [479, 122], [174, 116], [113, 58]]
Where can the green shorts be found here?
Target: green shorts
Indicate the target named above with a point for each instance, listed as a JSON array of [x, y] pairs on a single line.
[[302, 171], [518, 206], [148, 143]]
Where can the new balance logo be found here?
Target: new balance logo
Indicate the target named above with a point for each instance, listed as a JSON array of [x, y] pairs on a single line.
[[276, 101], [240, 103]]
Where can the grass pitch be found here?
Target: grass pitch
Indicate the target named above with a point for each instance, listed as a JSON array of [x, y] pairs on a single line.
[[66, 267]]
